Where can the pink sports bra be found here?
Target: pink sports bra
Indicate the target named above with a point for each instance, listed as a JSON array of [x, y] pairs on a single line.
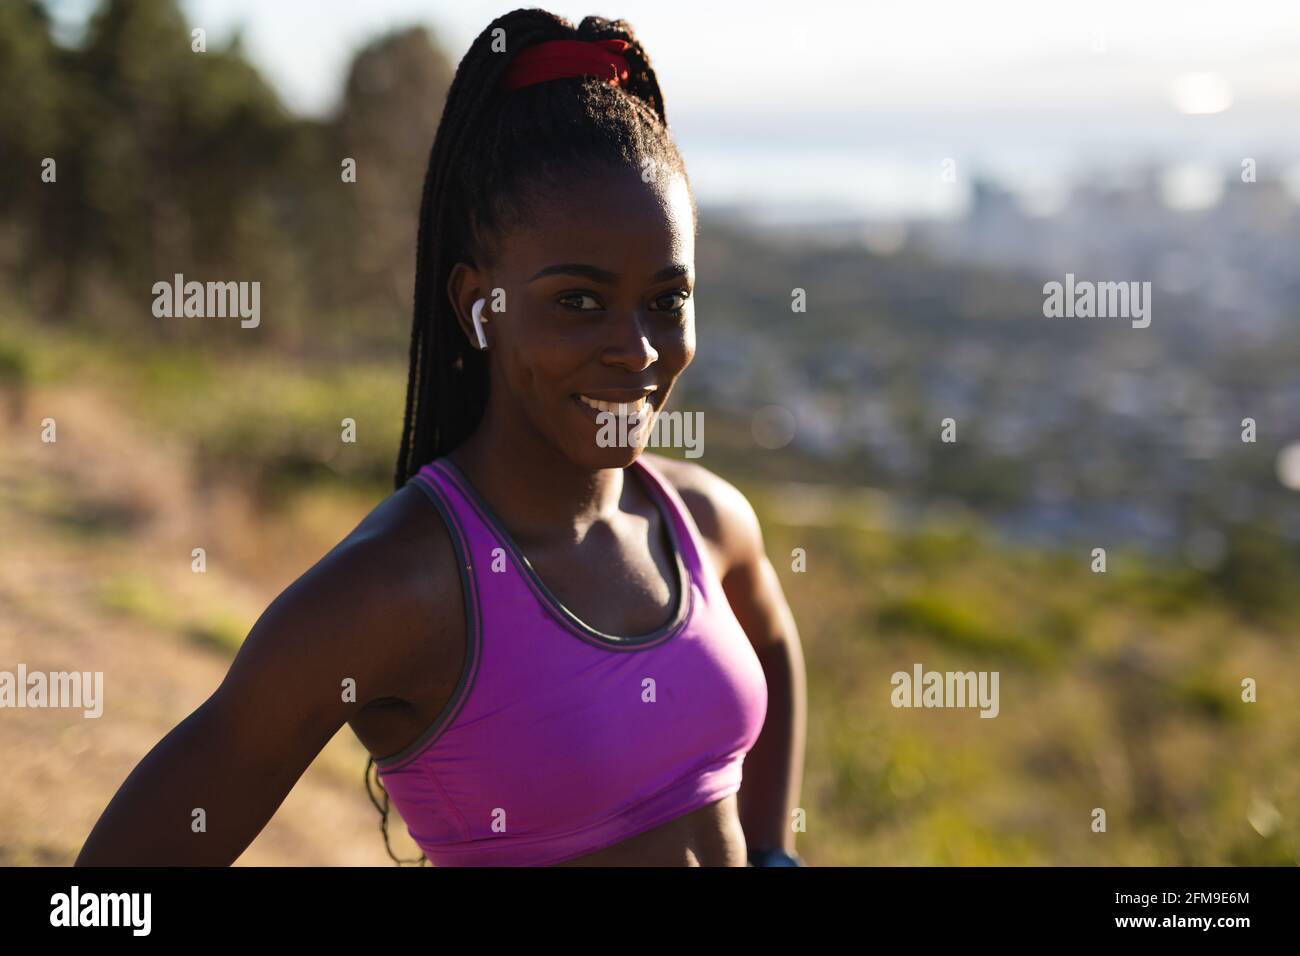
[[560, 739]]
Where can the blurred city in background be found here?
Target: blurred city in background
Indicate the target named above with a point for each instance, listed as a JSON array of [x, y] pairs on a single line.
[[920, 175]]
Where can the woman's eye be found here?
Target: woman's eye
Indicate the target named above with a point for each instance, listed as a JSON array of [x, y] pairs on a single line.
[[673, 301], [576, 300]]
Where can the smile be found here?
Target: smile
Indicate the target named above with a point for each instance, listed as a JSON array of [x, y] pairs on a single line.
[[622, 409]]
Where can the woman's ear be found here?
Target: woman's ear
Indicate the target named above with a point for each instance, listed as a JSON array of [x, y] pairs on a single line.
[[465, 287]]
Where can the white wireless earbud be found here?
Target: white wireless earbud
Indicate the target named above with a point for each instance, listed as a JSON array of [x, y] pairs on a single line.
[[477, 315]]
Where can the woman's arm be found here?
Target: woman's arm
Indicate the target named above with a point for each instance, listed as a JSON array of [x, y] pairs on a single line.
[[203, 793], [770, 791]]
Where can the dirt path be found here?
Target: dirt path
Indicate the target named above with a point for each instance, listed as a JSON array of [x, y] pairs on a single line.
[[105, 504]]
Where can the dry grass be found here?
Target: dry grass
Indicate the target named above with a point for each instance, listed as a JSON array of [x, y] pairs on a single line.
[[95, 576]]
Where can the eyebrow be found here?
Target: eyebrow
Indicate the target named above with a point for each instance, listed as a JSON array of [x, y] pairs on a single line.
[[604, 275]]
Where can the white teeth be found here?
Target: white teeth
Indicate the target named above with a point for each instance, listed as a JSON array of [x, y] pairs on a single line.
[[622, 409]]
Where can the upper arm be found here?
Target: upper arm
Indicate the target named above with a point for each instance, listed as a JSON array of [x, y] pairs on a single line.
[[323, 649], [351, 621]]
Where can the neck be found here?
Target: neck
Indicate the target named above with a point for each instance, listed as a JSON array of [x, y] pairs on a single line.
[[536, 491]]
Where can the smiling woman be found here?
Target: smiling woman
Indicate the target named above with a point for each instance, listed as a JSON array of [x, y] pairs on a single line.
[[553, 665], [611, 330], [555, 191], [524, 155]]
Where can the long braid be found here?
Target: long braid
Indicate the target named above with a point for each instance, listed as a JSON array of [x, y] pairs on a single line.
[[383, 816], [434, 421], [491, 151]]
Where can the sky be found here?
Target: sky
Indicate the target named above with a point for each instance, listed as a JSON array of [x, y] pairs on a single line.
[[869, 98]]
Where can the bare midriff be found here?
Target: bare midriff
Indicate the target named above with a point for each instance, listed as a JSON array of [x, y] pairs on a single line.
[[709, 836]]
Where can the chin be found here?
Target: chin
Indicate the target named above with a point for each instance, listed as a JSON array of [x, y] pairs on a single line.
[[596, 458], [584, 440]]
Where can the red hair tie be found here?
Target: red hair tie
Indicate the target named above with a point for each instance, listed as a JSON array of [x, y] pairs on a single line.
[[556, 59]]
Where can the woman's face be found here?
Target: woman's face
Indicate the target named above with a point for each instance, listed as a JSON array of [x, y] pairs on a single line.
[[597, 296]]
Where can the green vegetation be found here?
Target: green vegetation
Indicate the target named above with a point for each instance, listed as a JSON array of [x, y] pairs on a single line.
[[1108, 698], [147, 602]]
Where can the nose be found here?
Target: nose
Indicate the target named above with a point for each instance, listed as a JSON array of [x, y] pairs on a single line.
[[631, 348]]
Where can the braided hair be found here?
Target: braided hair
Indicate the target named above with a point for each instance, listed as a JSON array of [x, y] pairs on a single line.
[[492, 152]]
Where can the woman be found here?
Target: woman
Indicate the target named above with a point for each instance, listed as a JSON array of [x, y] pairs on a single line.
[[550, 664]]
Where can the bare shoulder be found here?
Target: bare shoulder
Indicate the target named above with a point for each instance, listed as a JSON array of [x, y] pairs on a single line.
[[385, 596], [721, 511], [731, 530], [404, 550], [405, 537]]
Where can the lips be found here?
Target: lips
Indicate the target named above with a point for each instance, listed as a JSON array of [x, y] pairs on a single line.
[[622, 402], [633, 405], [622, 409]]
